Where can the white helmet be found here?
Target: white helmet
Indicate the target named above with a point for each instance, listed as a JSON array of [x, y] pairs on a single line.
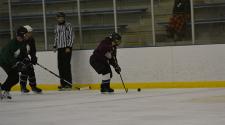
[[29, 28]]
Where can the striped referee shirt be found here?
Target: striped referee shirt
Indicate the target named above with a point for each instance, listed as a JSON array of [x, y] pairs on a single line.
[[63, 36]]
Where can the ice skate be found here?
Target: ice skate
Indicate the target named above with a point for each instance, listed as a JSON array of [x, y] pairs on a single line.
[[64, 88], [24, 90], [5, 95], [36, 90], [105, 89]]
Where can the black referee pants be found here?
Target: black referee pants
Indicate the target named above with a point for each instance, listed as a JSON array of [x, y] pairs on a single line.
[[64, 66]]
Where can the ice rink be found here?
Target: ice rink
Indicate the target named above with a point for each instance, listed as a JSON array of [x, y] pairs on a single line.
[[148, 107]]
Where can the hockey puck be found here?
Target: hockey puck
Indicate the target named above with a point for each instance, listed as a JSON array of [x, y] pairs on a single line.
[[138, 89]]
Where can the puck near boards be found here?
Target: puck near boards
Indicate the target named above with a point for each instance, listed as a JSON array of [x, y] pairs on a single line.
[[139, 89]]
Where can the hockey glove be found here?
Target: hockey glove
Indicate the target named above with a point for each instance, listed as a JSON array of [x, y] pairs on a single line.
[[20, 66], [118, 69], [26, 61], [34, 60]]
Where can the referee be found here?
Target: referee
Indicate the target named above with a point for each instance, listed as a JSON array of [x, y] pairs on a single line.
[[63, 44]]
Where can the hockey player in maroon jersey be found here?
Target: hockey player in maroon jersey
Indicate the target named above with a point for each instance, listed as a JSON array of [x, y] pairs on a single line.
[[104, 56]]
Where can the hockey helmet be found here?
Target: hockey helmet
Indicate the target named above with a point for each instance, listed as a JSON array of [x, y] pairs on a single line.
[[115, 37], [21, 31], [29, 28]]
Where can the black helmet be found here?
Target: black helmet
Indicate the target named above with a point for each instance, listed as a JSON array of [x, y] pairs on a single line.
[[115, 36], [21, 31], [61, 14]]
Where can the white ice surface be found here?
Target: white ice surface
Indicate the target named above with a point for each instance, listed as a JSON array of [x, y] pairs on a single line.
[[148, 107]]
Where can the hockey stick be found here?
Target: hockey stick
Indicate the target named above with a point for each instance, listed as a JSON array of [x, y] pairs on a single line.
[[1, 97], [126, 90], [56, 75]]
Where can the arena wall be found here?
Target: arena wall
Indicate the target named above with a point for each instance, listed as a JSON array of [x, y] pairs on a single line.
[[150, 67]]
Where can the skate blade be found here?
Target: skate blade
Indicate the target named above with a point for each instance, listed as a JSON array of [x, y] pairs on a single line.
[[107, 92], [5, 98], [37, 92], [66, 89], [25, 93]]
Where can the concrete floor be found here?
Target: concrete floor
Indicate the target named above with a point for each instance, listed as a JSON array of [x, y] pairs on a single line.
[[148, 107]]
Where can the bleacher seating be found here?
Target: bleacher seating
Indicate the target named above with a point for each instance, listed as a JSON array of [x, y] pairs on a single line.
[[38, 2], [4, 32], [97, 17], [209, 5], [203, 21], [76, 28], [134, 15], [72, 13], [210, 21], [85, 12]]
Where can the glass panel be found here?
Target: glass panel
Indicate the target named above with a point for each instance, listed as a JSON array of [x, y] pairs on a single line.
[[134, 20], [172, 22], [209, 21], [97, 21], [69, 7], [29, 13], [4, 23]]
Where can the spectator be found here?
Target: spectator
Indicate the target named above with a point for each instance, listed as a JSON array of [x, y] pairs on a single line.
[[181, 16]]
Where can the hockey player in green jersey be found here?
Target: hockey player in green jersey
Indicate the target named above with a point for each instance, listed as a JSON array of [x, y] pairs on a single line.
[[12, 61]]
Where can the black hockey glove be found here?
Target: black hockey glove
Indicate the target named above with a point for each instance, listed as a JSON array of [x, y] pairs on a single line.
[[26, 61], [118, 69], [29, 68], [34, 60], [20, 66]]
